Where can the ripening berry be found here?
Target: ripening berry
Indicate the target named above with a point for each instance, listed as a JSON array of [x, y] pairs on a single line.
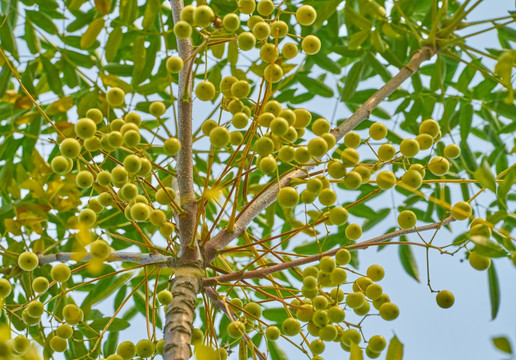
[[240, 89], [343, 257], [327, 264], [308, 197], [338, 276], [197, 337], [389, 311], [253, 310], [126, 349], [39, 285], [115, 139], [261, 30], [182, 29], [330, 139], [231, 22], [362, 283], [84, 179], [92, 144], [461, 210], [174, 64], [444, 299], [172, 146], [365, 173], [279, 126], [165, 297], [236, 138], [268, 52], [236, 329], [95, 115], [85, 128], [268, 164], [145, 348], [378, 131], [374, 291], [412, 178], [379, 301], [157, 217], [338, 215], [187, 13], [306, 15], [350, 157], [317, 147], [70, 148], [353, 231], [279, 29], [61, 165], [87, 217], [288, 197], [385, 179], [265, 7], [355, 299], [451, 151], [246, 41], [205, 90], [386, 152], [60, 273], [208, 126], [203, 16], [157, 108], [336, 314], [272, 333], [425, 141], [430, 127], [352, 139], [28, 261], [409, 147], [291, 327], [140, 212], [375, 272], [219, 136], [100, 249], [35, 309], [290, 50], [336, 169], [353, 180], [58, 344], [72, 314], [317, 346], [439, 166], [246, 6], [103, 178], [407, 219], [327, 197], [311, 44], [115, 97], [377, 343], [272, 106], [273, 73], [20, 344], [166, 229], [479, 262]]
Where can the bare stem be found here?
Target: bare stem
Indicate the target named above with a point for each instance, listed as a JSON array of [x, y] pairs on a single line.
[[134, 257], [262, 201]]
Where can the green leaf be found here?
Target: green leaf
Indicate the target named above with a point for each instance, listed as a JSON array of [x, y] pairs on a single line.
[[316, 86], [395, 350], [502, 344], [466, 118], [42, 21], [408, 260], [52, 76], [351, 81], [116, 325], [508, 182], [355, 352], [494, 290], [379, 216], [5, 76], [486, 247], [378, 67], [276, 352], [104, 288], [485, 176], [275, 314], [7, 38]]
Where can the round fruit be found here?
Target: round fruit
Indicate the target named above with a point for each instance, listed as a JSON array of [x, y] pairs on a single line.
[[145, 348], [362, 283], [174, 64], [100, 249], [268, 52], [273, 73], [279, 29], [317, 346], [246, 41], [311, 44], [28, 261], [301, 155], [290, 50], [157, 217], [85, 128], [20, 344], [166, 229], [231, 22], [254, 310], [35, 309], [407, 219], [444, 299], [291, 327], [336, 314], [317, 147], [352, 139], [61, 165], [337, 295], [379, 301], [115, 97], [320, 126], [92, 144], [163, 197], [327, 197], [70, 148], [288, 197], [87, 217], [355, 299], [439, 165], [84, 179], [165, 297], [412, 178], [265, 7], [375, 272], [479, 262], [338, 276], [352, 180], [268, 164], [338, 215], [389, 311], [425, 141], [72, 314], [60, 273], [261, 31], [374, 291], [343, 257], [64, 331], [386, 152], [272, 333], [327, 264], [208, 126], [385, 179], [377, 343], [461, 210], [182, 30], [350, 157], [126, 349], [104, 178], [95, 115], [140, 212], [236, 329], [451, 151], [172, 146], [430, 127], [203, 16], [409, 147], [157, 108], [377, 131], [205, 90], [306, 15], [197, 337], [115, 139], [58, 344], [40, 284], [219, 136], [353, 231]]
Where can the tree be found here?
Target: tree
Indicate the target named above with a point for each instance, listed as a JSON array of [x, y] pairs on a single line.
[[115, 191]]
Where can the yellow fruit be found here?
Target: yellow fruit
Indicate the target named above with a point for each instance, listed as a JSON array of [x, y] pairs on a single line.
[[104, 178], [115, 97], [246, 41], [279, 29], [272, 332], [409, 147], [92, 144], [182, 29], [187, 13], [203, 16], [445, 299], [205, 90], [461, 210], [343, 257], [268, 164], [126, 349], [70, 148], [412, 178], [85, 128], [157, 108], [306, 15], [20, 344], [291, 327], [273, 73], [164, 197], [28, 261], [353, 180], [451, 151], [336, 169], [327, 197], [261, 30], [425, 141], [140, 212], [39, 285], [240, 89], [236, 329], [268, 52], [288, 197], [172, 146], [479, 262], [439, 165], [87, 217], [246, 6], [385, 179], [64, 331], [219, 136], [386, 152], [174, 64], [389, 311], [375, 272], [145, 348], [265, 7], [60, 273], [100, 249], [352, 139], [317, 147], [350, 157], [157, 217], [35, 309], [355, 299], [290, 50], [61, 165], [58, 344], [84, 179], [231, 22], [353, 231], [407, 219], [72, 314], [311, 44], [430, 127], [377, 131]]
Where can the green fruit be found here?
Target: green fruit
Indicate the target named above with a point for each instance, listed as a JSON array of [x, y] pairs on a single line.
[[253, 310], [338, 276], [165, 297], [182, 30], [444, 299], [240, 120], [219, 136], [386, 152], [479, 262], [85, 128], [58, 344], [377, 343], [279, 29], [174, 64], [272, 106], [379, 301], [439, 165], [412, 178], [92, 144], [288, 197], [115, 97], [231, 22], [349, 157], [309, 293], [140, 212], [157, 217], [268, 52], [425, 141], [407, 219], [265, 7], [272, 333], [20, 344], [166, 229], [60, 273], [327, 197], [374, 291], [222, 354], [70, 148], [61, 165], [72, 314], [310, 271], [164, 196], [35, 309], [291, 327], [159, 346], [203, 16], [306, 15], [117, 124], [103, 178], [349, 336], [320, 126], [343, 257], [235, 106], [336, 314], [126, 349], [301, 155], [320, 302], [451, 151], [236, 329], [29, 320], [290, 50], [115, 139], [261, 31], [317, 147], [240, 89], [39, 284], [461, 210], [337, 295], [353, 231], [187, 13], [145, 348], [311, 44], [430, 127], [208, 126], [273, 73], [64, 331], [87, 217], [197, 337], [352, 139], [375, 272], [265, 119], [28, 261], [246, 41], [172, 146], [105, 199], [361, 284], [317, 346], [246, 6], [157, 108], [338, 215], [353, 180], [309, 282], [84, 179], [205, 90], [330, 139], [389, 311], [386, 179], [114, 357], [377, 131], [95, 115], [409, 147], [327, 264], [268, 164], [100, 249], [355, 299]]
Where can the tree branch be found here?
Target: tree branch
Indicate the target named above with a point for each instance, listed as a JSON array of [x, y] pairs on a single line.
[[260, 202], [134, 257], [187, 220], [259, 273]]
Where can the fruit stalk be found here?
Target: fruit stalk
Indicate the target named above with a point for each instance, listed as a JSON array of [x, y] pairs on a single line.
[[262, 201]]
